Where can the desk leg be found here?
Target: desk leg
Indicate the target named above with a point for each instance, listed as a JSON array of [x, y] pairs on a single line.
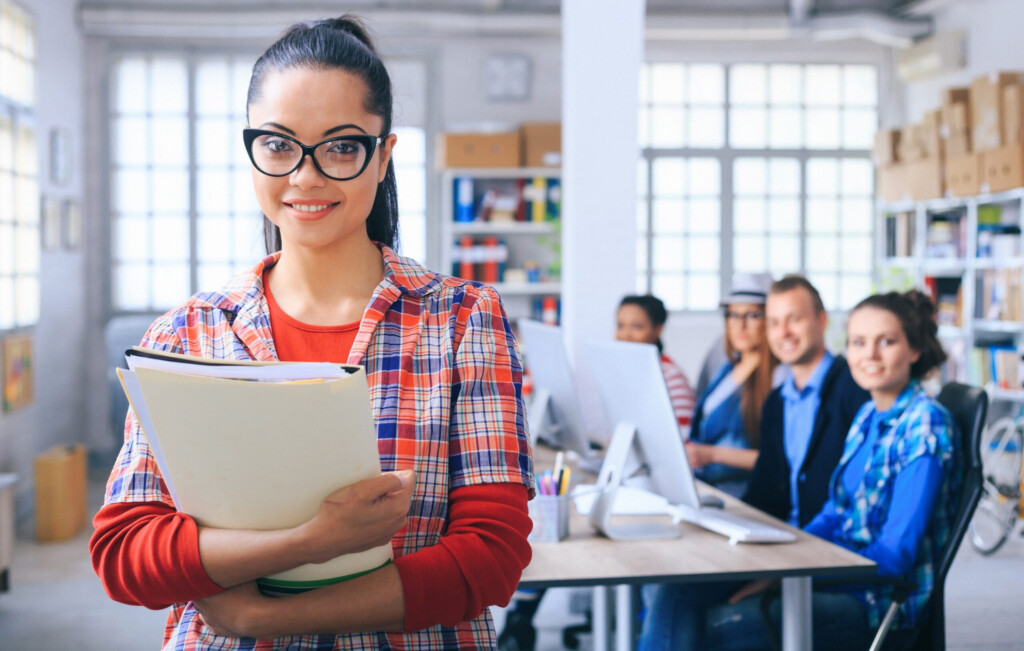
[[601, 618], [623, 618], [796, 614]]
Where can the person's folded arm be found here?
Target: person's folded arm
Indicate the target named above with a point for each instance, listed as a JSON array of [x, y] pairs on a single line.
[[826, 523], [475, 564], [148, 554], [915, 492]]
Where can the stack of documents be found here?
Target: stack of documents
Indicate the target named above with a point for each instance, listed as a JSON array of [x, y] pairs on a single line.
[[257, 445]]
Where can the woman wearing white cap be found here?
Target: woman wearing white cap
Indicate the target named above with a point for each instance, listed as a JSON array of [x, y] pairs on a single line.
[[726, 423]]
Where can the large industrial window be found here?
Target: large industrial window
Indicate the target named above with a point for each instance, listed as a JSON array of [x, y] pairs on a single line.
[[755, 167], [19, 186], [184, 214]]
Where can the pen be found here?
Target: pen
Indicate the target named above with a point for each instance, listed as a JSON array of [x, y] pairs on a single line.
[[563, 484], [559, 463]]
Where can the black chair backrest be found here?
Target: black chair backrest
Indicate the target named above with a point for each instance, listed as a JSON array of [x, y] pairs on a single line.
[[969, 406]]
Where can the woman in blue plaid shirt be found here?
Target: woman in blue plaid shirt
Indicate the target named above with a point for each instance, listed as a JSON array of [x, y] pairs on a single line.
[[892, 497]]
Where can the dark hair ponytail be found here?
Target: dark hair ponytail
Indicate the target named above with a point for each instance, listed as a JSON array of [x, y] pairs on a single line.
[[652, 307], [337, 43], [916, 314]]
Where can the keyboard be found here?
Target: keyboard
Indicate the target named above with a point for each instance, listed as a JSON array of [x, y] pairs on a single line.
[[734, 527]]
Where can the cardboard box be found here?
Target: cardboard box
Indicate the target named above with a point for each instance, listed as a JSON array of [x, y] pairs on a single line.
[[924, 179], [1003, 169], [963, 175], [60, 492], [987, 108], [542, 144], [910, 148], [7, 483], [1013, 114], [886, 149], [930, 135], [892, 185], [478, 149], [955, 109], [958, 144]]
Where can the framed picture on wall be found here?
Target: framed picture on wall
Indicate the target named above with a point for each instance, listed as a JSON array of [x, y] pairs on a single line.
[[72, 222], [50, 226], [18, 365]]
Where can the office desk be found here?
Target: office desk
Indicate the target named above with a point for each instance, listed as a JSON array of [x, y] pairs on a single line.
[[586, 559]]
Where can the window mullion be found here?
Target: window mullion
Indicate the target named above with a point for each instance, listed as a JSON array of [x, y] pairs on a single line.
[[193, 222]]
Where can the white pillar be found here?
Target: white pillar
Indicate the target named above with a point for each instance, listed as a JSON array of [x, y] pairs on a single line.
[[602, 51]]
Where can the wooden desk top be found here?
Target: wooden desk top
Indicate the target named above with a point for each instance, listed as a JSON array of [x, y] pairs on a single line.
[[585, 558]]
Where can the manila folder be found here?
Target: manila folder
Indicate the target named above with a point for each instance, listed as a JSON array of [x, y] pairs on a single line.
[[264, 455]]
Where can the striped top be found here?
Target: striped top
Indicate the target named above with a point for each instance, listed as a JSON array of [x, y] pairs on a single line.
[[445, 380], [683, 397]]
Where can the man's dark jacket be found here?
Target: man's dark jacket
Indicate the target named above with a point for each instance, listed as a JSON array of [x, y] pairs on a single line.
[[768, 489]]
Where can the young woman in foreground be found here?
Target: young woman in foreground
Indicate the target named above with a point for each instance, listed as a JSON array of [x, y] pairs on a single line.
[[445, 385]]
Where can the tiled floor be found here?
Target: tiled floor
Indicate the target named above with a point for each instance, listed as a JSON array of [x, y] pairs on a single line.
[[56, 603]]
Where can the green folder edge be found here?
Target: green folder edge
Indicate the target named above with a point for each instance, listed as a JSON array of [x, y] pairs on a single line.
[[302, 586]]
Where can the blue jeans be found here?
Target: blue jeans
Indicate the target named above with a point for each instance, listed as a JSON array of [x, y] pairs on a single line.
[[696, 616]]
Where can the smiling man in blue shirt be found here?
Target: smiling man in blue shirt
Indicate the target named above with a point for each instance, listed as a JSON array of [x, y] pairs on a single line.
[[805, 421]]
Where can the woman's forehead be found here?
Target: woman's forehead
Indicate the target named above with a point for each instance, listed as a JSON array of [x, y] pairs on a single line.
[[313, 100]]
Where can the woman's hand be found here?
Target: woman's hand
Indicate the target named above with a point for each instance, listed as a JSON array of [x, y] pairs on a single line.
[[236, 612], [359, 516], [699, 454], [751, 589]]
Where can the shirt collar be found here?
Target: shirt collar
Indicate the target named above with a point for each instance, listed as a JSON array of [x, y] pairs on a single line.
[[902, 402], [813, 386]]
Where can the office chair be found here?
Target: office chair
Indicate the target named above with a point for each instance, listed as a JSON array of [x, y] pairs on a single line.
[[968, 406]]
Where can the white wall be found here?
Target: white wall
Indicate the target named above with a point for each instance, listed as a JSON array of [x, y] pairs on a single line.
[[56, 415], [994, 42]]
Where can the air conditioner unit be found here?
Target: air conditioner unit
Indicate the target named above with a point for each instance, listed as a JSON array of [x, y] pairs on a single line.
[[934, 55]]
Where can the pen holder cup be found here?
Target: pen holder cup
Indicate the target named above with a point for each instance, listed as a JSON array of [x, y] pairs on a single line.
[[550, 515]]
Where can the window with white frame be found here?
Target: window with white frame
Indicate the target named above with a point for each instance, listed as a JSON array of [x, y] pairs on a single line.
[[184, 214], [19, 185], [755, 167]]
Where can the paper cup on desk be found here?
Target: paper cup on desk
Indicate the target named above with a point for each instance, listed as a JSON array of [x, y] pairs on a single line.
[[550, 515]]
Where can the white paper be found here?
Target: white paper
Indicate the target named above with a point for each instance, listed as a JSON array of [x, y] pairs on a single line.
[[130, 382], [235, 370], [628, 501]]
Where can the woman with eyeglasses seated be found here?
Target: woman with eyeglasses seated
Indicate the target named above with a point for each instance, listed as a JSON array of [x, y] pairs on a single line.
[[444, 379], [892, 498], [727, 420]]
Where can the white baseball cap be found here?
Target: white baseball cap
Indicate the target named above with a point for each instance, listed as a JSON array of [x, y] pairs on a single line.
[[748, 288]]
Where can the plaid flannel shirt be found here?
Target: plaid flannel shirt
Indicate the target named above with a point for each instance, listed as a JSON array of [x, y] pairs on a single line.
[[915, 426], [445, 382]]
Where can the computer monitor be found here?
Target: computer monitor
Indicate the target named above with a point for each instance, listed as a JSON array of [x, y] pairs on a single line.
[[636, 400], [553, 412]]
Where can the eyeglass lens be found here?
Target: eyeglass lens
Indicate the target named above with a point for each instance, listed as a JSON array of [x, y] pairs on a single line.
[[340, 158]]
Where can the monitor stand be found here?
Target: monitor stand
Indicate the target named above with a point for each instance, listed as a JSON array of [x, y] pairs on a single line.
[[538, 414], [608, 482]]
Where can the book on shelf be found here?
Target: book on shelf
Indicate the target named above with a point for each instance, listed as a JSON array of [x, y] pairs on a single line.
[[258, 445], [533, 199], [997, 365], [998, 295], [946, 237], [947, 295], [899, 235]]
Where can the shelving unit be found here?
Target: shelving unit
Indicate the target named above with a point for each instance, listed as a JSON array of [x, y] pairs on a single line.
[[936, 245], [525, 243]]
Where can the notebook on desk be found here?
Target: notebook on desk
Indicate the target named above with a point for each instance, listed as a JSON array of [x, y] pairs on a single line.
[[635, 397]]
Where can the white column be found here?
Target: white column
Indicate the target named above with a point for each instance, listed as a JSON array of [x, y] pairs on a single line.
[[602, 50]]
